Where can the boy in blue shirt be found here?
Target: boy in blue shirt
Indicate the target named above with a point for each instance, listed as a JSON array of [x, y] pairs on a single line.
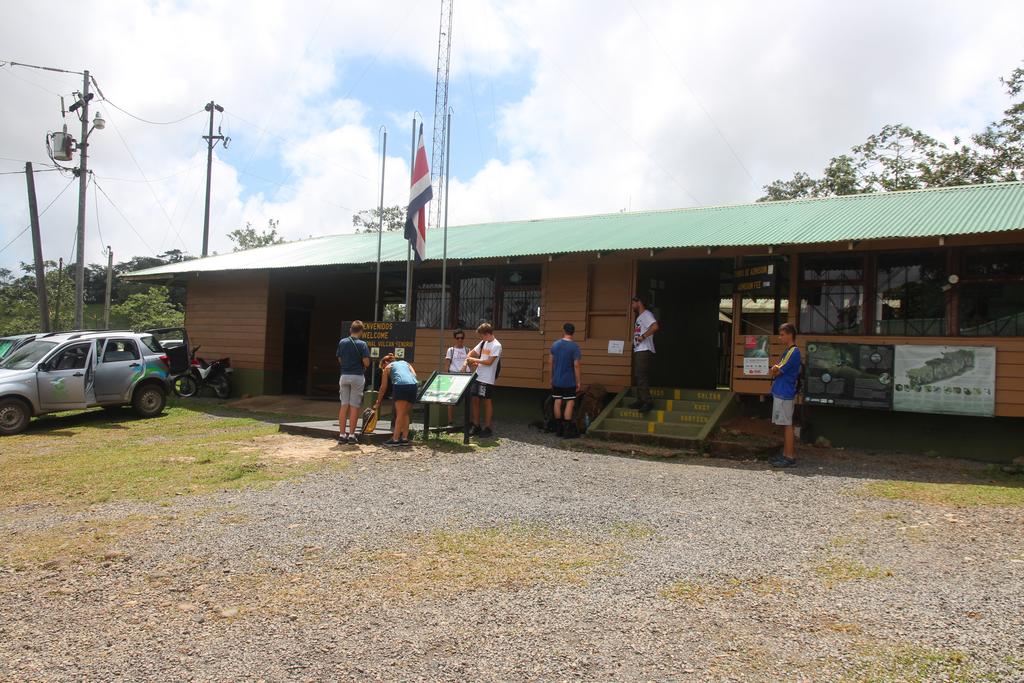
[[785, 374], [565, 381]]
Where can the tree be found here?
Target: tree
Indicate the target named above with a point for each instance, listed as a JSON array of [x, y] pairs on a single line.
[[368, 220], [799, 187], [895, 158], [249, 238], [151, 308], [1003, 140]]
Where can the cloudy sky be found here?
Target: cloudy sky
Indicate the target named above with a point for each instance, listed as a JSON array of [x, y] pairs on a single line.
[[560, 108]]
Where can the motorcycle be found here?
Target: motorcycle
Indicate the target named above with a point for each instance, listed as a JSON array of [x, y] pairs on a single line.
[[216, 375]]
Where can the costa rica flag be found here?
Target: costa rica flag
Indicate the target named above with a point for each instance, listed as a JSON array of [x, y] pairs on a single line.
[[419, 195]]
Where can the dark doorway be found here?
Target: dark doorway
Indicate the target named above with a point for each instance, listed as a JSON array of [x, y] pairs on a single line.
[[685, 298], [295, 363]]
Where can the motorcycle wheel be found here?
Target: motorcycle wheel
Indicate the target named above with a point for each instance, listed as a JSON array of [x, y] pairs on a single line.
[[185, 386], [221, 386]]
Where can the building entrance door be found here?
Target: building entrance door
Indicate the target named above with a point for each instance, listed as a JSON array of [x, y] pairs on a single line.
[[685, 299]]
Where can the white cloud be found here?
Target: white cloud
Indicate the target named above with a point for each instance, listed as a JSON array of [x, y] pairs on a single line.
[[609, 121]]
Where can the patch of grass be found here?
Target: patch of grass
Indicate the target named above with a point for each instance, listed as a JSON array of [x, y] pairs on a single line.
[[997, 489], [71, 543], [633, 531], [729, 587], [838, 569], [506, 557], [92, 457], [915, 664]]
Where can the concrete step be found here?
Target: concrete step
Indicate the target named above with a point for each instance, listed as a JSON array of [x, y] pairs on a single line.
[[632, 426], [661, 416]]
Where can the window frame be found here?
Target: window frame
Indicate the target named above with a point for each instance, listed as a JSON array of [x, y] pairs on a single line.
[[960, 260], [863, 282], [498, 274]]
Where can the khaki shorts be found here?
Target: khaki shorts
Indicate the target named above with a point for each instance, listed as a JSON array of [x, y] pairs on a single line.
[[350, 390], [782, 411]]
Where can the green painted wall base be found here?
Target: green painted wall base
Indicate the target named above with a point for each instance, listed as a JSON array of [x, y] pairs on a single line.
[[988, 439]]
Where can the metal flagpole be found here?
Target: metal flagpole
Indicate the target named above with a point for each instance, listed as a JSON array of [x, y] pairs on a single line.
[[380, 224], [444, 251], [408, 253]]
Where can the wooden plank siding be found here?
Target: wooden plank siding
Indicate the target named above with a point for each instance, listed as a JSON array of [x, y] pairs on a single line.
[[1009, 363], [227, 315]]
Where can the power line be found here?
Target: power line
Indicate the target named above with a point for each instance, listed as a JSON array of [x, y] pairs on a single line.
[[42, 68], [148, 184], [125, 218], [139, 118], [52, 201], [44, 170], [96, 206], [700, 103]]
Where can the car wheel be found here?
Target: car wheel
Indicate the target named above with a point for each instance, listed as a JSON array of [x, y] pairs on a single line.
[[148, 401], [221, 387], [14, 416], [185, 385]]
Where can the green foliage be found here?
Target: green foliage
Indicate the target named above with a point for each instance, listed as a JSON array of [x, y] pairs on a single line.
[[899, 157], [150, 308], [368, 220], [249, 238], [1003, 140]]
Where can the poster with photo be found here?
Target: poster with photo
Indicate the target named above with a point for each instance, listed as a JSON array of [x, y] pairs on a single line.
[[957, 380], [849, 375], [755, 355]]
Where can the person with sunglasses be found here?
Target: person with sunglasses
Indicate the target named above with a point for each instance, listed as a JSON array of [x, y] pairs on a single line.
[[455, 357]]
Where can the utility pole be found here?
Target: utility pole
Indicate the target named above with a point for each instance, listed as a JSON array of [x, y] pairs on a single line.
[[37, 250], [211, 142], [110, 279], [60, 289], [83, 182]]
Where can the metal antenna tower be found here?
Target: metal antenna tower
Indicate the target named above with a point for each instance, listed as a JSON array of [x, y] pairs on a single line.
[[437, 154]]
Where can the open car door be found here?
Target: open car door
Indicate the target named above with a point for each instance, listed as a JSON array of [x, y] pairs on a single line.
[[67, 380], [174, 341]]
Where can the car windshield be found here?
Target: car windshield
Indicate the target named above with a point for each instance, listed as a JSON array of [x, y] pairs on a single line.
[[27, 356]]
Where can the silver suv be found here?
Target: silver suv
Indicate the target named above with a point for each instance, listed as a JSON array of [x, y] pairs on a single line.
[[76, 370]]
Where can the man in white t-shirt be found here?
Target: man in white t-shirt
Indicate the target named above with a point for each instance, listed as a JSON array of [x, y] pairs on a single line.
[[485, 358], [455, 360], [643, 353]]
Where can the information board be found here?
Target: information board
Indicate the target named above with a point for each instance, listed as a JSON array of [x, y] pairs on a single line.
[[957, 380], [755, 355], [383, 338], [446, 387], [754, 280], [849, 375]]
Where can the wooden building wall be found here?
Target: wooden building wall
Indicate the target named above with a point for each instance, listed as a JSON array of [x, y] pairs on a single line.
[[226, 313]]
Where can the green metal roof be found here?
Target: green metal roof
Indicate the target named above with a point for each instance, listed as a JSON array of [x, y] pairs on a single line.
[[935, 212]]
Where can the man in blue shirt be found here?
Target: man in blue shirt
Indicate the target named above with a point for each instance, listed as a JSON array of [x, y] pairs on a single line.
[[565, 381], [785, 374], [353, 357]]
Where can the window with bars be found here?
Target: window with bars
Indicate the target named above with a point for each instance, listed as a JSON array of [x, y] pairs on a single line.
[[832, 294], [909, 296], [520, 299], [507, 297], [475, 303], [991, 293]]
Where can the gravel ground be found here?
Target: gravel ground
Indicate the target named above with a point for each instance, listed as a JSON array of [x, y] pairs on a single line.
[[530, 562]]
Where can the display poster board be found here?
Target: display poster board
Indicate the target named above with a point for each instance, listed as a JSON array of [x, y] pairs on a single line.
[[616, 346], [383, 338], [446, 387], [755, 355], [957, 380], [850, 375]]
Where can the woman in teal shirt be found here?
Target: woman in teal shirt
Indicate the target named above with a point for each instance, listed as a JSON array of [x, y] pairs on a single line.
[[401, 377]]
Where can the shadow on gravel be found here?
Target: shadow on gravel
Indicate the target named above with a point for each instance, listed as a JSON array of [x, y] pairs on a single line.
[[811, 462]]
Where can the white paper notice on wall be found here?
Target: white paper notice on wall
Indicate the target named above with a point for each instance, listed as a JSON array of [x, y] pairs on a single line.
[[616, 346]]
